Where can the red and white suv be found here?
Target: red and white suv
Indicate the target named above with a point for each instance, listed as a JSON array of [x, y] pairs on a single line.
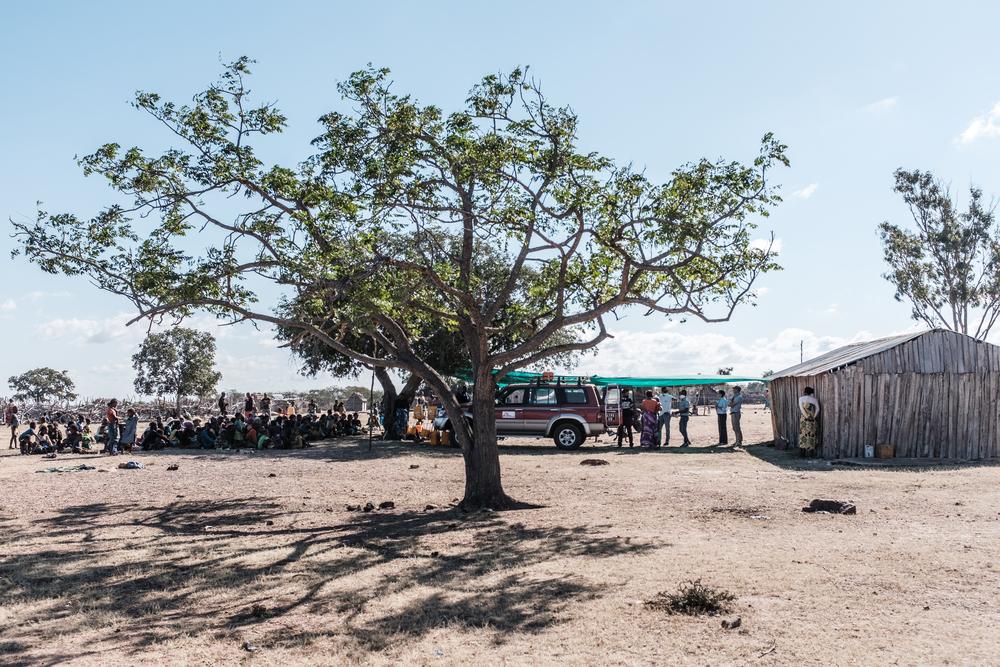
[[568, 413]]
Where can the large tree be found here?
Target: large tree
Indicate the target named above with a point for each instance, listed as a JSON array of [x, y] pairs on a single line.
[[948, 265], [378, 231], [43, 385], [437, 343], [178, 362]]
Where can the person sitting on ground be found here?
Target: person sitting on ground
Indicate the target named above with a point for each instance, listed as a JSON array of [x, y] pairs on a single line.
[[239, 432], [187, 435], [329, 423], [274, 429], [43, 445], [207, 436], [250, 436], [72, 441], [155, 437], [27, 438], [55, 436], [315, 429]]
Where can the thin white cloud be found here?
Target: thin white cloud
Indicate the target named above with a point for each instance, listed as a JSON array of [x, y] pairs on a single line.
[[883, 105], [984, 126], [8, 305], [672, 352], [38, 295], [86, 330], [806, 192], [763, 244]]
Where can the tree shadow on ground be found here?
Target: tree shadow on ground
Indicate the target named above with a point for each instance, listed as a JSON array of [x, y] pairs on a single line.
[[231, 567]]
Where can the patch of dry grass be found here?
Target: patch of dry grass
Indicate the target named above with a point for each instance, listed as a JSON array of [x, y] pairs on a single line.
[[693, 598]]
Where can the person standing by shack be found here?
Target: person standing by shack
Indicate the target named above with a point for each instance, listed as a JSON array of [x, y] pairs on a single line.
[[684, 413], [736, 413], [628, 418], [721, 410], [223, 404], [808, 423], [666, 409], [650, 424]]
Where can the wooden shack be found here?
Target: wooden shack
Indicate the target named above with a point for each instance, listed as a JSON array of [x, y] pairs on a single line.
[[933, 394], [356, 403]]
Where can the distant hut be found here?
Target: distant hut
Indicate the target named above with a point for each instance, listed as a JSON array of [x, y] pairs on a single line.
[[356, 403], [934, 394]]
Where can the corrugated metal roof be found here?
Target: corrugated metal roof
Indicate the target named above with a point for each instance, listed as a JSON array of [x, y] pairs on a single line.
[[845, 356]]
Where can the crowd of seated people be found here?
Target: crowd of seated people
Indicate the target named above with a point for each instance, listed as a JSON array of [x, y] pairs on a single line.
[[240, 431], [72, 432], [57, 433]]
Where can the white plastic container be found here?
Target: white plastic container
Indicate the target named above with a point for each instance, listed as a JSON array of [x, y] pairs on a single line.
[[869, 451]]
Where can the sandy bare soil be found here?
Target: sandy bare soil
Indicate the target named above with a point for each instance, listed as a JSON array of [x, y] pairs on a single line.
[[256, 551]]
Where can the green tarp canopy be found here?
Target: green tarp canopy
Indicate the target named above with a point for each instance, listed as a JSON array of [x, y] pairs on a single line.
[[671, 380], [517, 377]]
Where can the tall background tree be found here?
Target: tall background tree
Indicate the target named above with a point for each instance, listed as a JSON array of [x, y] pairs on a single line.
[[43, 385], [178, 362], [947, 266], [389, 229]]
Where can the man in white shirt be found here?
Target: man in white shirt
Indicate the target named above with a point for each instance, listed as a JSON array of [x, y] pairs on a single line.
[[666, 405], [722, 411]]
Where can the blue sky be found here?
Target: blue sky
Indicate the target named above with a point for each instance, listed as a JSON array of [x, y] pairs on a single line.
[[855, 90]]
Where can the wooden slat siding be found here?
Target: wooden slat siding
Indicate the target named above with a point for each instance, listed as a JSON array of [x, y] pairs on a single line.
[[897, 401], [832, 428], [994, 426], [985, 417], [966, 417], [907, 415], [928, 396], [936, 396]]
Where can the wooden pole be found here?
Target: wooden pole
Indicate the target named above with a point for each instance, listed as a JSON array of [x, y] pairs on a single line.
[[371, 402]]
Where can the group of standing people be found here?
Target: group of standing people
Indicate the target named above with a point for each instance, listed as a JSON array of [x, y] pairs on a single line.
[[652, 417]]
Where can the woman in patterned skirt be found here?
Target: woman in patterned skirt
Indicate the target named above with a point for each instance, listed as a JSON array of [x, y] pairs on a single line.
[[808, 423], [650, 421]]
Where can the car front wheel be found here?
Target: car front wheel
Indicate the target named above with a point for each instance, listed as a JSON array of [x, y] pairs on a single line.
[[568, 435]]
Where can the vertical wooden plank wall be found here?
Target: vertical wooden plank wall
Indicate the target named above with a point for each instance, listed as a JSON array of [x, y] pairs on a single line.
[[937, 396]]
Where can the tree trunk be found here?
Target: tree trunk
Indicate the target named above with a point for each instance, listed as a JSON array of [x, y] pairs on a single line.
[[389, 398], [483, 487], [388, 404], [177, 406]]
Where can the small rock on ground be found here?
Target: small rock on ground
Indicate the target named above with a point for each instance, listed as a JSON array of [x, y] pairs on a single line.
[[831, 506], [594, 462], [733, 623]]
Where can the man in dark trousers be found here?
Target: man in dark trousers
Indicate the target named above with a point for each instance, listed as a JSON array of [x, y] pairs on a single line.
[[722, 410], [628, 418]]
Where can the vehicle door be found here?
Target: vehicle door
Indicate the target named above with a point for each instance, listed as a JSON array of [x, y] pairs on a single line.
[[583, 401], [510, 410], [542, 406], [611, 403]]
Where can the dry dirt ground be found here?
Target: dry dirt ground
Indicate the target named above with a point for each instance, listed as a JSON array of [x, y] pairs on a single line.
[[254, 559]]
